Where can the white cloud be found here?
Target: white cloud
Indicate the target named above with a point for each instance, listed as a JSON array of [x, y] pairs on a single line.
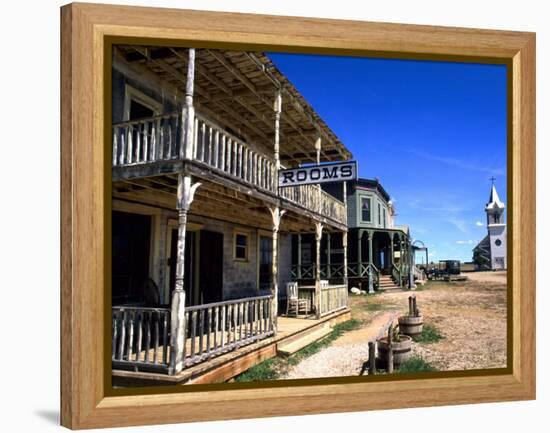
[[468, 242], [479, 224]]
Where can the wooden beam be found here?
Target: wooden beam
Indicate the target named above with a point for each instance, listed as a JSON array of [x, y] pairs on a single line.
[[247, 83]]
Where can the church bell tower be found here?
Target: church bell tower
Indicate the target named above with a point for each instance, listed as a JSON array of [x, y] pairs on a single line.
[[496, 227]]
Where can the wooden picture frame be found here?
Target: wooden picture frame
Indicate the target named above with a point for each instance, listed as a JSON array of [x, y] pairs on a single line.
[[87, 30]]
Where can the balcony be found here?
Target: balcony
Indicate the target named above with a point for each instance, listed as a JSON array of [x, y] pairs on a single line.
[[158, 140]]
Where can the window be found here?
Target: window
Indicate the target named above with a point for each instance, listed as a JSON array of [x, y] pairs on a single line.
[[384, 214], [138, 105], [498, 242], [241, 247], [379, 214], [365, 209]]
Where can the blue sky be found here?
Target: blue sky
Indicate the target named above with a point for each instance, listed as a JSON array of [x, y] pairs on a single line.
[[432, 132]]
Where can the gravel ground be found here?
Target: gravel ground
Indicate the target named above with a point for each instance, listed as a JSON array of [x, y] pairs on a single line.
[[471, 315]]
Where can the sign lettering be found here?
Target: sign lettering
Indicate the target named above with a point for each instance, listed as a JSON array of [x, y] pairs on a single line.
[[323, 173]]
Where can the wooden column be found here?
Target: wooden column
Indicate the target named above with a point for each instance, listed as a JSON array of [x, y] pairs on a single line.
[[186, 192], [345, 236], [401, 259], [371, 282], [318, 236], [329, 273], [276, 215], [359, 253], [412, 286], [299, 274], [319, 193], [392, 253], [277, 107], [188, 112]]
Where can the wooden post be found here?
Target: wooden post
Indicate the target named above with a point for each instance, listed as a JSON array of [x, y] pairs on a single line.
[[299, 274], [345, 247], [188, 112], [345, 236], [390, 350], [186, 193], [412, 286], [276, 215], [277, 107], [372, 358], [370, 277], [401, 259], [318, 235], [328, 256], [411, 310], [318, 150], [359, 253], [392, 253]]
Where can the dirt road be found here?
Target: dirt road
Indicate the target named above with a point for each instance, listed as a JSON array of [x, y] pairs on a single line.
[[471, 315]]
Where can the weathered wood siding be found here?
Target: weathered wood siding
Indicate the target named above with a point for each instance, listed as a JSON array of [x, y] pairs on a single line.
[[240, 278], [119, 83]]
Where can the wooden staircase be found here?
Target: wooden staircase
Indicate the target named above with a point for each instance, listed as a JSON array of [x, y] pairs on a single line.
[[387, 284]]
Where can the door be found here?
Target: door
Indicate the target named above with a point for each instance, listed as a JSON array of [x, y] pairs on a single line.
[[265, 263], [210, 267], [131, 241], [189, 265]]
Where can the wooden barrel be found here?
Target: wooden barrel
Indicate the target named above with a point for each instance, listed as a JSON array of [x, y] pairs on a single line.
[[410, 325], [401, 350]]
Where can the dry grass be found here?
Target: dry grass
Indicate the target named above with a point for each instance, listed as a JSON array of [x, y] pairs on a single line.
[[471, 315]]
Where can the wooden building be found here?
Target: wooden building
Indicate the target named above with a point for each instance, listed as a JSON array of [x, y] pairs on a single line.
[[202, 235], [380, 254]]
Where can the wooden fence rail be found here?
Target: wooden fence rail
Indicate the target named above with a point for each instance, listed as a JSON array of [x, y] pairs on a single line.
[[214, 329], [140, 337], [333, 298]]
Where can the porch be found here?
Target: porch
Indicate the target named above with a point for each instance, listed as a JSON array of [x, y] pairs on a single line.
[[376, 258], [209, 164], [213, 356]]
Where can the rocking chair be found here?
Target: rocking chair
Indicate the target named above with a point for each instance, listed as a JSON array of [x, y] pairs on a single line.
[[294, 304]]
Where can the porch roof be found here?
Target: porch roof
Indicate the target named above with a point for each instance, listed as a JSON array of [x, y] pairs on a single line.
[[237, 89]]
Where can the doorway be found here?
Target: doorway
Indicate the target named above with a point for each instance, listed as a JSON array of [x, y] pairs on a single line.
[[203, 266], [265, 263], [131, 244]]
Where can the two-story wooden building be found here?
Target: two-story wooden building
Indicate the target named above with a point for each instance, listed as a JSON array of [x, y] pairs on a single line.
[[380, 254], [201, 233]]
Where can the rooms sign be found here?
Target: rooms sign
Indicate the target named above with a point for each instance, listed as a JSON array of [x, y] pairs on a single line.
[[323, 173]]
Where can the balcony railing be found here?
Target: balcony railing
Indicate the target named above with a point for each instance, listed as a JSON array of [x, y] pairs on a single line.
[[160, 138]]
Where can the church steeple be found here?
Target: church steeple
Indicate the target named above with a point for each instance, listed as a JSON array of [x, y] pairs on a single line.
[[490, 253], [495, 207]]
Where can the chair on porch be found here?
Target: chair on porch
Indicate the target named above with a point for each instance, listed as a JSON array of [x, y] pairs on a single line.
[[294, 304]]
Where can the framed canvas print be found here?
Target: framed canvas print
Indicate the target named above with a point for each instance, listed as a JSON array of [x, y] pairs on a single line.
[[318, 215]]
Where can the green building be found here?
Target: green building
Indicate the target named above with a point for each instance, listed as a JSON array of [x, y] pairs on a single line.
[[380, 254]]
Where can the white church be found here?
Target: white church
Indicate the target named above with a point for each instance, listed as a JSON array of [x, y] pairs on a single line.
[[490, 253]]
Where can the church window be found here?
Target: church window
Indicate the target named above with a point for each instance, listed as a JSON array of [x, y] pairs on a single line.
[[498, 242]]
